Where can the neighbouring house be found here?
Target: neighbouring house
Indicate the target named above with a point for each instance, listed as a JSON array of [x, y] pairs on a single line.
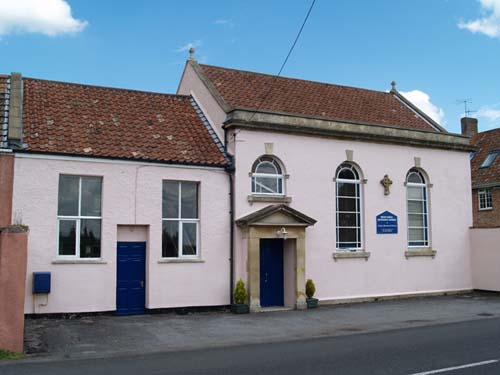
[[485, 171], [485, 233], [141, 200]]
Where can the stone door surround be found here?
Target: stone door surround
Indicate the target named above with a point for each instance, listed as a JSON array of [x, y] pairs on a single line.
[[275, 221]]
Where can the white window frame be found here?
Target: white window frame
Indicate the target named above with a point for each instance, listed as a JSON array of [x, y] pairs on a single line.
[[279, 176], [486, 195], [182, 221], [424, 186], [78, 220], [358, 212]]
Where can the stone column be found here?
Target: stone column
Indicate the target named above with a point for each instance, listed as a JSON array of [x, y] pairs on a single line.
[[301, 273], [254, 269]]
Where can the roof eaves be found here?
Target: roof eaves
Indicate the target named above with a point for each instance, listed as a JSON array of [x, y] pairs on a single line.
[[121, 158], [298, 115], [345, 130]]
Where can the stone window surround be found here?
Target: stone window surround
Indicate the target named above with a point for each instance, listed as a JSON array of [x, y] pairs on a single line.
[[423, 252], [358, 254]]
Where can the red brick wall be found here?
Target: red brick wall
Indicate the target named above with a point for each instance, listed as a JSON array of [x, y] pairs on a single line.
[[13, 258], [486, 218], [6, 186]]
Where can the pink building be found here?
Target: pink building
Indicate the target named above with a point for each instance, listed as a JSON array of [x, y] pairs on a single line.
[[143, 201]]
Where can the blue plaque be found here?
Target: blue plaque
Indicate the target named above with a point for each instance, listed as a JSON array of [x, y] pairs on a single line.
[[387, 223]]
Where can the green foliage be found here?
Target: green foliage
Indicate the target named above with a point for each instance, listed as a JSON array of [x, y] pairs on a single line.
[[240, 292], [310, 288], [5, 354]]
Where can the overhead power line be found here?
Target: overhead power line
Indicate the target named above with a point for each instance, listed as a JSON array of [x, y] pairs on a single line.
[[285, 61]]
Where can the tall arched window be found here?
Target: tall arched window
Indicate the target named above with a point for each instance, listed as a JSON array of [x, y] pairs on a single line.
[[348, 211], [418, 209], [267, 177]]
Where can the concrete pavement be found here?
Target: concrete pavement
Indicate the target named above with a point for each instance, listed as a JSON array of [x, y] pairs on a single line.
[[104, 336]]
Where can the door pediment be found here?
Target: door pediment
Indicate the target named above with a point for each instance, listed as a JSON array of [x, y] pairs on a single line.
[[276, 215]]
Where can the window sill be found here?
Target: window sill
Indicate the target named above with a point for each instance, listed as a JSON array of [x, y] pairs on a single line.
[[486, 209], [420, 253], [269, 198], [79, 261], [351, 254], [181, 260]]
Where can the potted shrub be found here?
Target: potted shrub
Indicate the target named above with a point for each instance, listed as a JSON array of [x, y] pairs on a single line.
[[310, 290], [240, 298]]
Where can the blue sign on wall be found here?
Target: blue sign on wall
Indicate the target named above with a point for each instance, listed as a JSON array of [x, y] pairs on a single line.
[[387, 223]]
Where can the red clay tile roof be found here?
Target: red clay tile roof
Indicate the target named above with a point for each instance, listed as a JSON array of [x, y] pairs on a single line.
[[76, 119], [486, 142], [245, 90]]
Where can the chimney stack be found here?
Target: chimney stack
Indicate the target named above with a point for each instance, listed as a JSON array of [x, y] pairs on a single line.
[[15, 129], [469, 126]]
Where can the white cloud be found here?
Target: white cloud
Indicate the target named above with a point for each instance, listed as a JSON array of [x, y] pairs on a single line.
[[489, 113], [423, 102], [187, 46], [226, 22], [48, 17], [489, 24]]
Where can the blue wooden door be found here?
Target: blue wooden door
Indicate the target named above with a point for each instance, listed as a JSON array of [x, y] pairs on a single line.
[[131, 278], [271, 272]]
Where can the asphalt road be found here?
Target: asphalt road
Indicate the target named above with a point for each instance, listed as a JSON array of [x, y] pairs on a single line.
[[425, 350]]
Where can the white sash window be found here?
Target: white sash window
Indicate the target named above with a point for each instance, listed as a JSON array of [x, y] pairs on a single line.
[[418, 209], [348, 208]]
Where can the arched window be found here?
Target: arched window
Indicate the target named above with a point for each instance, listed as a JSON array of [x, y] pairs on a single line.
[[418, 209], [267, 177], [348, 211]]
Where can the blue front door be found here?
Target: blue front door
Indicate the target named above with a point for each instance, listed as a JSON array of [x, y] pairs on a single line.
[[131, 278], [271, 272]]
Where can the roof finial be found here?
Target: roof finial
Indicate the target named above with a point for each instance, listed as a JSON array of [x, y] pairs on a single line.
[[191, 54], [393, 85]]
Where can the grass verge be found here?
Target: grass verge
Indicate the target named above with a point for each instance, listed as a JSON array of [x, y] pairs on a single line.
[[5, 354]]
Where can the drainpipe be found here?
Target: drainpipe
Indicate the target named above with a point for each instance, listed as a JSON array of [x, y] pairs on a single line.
[[230, 172]]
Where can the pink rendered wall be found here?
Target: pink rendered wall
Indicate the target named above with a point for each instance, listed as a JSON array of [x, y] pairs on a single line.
[[13, 254], [485, 258], [311, 163], [92, 287], [192, 85]]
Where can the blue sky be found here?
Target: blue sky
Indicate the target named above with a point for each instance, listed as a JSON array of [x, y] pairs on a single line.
[[447, 50]]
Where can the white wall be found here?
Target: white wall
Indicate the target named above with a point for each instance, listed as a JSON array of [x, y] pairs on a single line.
[[485, 247], [311, 163], [125, 200]]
